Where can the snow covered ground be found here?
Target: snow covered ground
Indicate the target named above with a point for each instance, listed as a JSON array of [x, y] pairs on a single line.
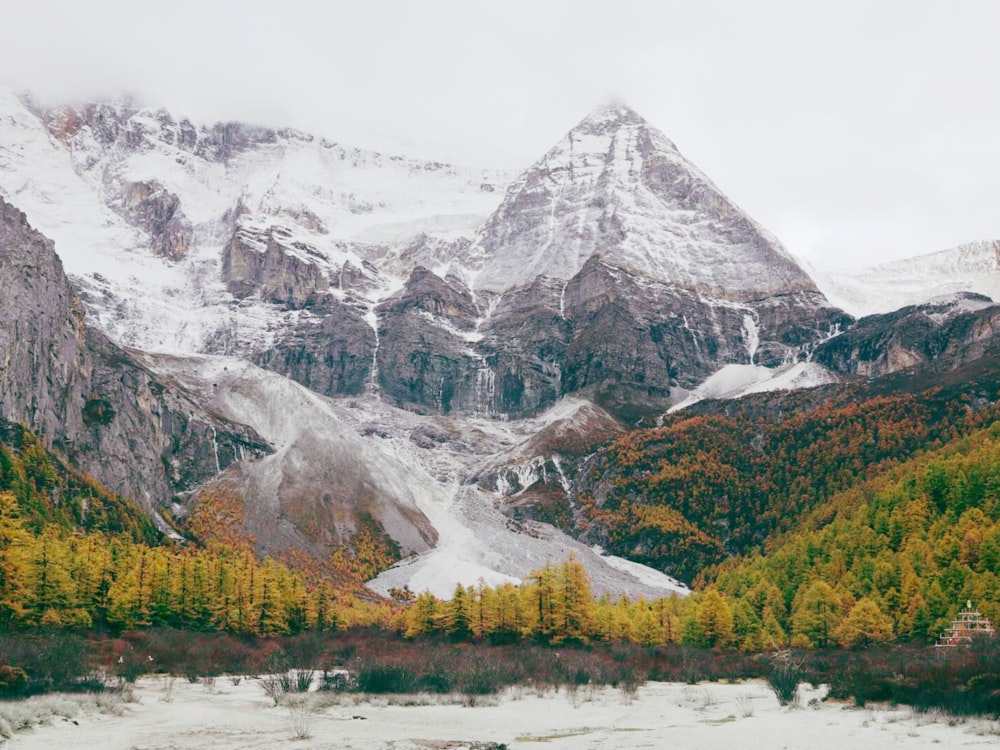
[[175, 714]]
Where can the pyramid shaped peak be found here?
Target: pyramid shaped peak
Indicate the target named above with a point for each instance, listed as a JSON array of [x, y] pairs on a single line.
[[615, 110], [617, 187]]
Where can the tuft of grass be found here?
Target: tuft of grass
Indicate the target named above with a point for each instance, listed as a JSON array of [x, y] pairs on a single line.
[[744, 705], [299, 722]]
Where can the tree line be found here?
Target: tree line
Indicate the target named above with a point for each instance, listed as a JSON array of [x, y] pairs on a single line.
[[555, 605]]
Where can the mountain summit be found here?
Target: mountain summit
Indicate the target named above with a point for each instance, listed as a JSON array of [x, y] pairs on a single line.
[[618, 188]]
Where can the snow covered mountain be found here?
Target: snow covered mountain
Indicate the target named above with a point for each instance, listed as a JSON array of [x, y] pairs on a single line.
[[434, 347], [142, 206]]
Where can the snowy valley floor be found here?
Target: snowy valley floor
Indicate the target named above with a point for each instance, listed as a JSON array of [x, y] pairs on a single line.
[[177, 715]]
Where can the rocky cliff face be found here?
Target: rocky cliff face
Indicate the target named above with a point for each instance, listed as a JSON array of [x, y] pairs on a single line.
[[955, 329], [425, 355], [149, 206], [631, 343], [330, 348], [90, 399], [266, 264]]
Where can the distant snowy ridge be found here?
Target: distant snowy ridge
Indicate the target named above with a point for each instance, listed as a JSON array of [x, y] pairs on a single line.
[[974, 267]]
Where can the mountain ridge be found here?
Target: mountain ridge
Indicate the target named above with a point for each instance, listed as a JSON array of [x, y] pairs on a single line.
[[970, 267]]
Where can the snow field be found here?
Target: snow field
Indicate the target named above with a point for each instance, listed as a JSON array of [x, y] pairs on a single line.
[[176, 714]]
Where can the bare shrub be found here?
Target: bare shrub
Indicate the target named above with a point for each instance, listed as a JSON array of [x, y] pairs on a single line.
[[273, 687], [784, 678]]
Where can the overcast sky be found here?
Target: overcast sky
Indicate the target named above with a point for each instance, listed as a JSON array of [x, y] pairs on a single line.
[[855, 131]]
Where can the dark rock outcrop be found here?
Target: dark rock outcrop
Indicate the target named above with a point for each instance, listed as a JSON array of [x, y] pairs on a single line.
[[626, 341], [91, 400], [268, 264], [424, 361], [113, 122], [329, 350], [526, 340], [956, 329]]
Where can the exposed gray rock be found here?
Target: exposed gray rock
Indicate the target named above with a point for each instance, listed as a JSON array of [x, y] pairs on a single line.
[[329, 350], [427, 292], [525, 343], [266, 263], [430, 435], [90, 399], [626, 340], [113, 122], [424, 362], [149, 206]]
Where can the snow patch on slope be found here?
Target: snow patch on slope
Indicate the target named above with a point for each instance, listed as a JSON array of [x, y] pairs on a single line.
[[952, 305], [734, 381]]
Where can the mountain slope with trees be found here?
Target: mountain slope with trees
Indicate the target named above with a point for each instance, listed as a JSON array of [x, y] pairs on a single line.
[[910, 544], [702, 488]]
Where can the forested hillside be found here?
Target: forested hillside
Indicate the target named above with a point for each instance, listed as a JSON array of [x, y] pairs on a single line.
[[813, 530], [909, 546], [699, 489]]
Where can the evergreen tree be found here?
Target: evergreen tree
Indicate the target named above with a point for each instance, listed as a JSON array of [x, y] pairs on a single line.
[[816, 613], [423, 615], [577, 618], [457, 616], [713, 620], [865, 624]]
